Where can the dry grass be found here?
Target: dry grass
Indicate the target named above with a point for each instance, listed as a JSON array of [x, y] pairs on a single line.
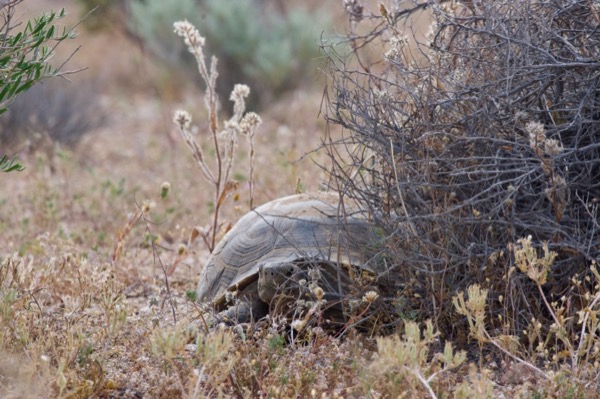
[[85, 309], [78, 323]]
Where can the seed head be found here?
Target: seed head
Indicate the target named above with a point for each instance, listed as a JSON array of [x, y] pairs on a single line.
[[239, 92], [355, 9], [314, 275], [147, 205], [370, 297], [537, 134], [318, 293], [190, 34], [164, 189], [249, 123], [298, 324], [182, 119], [552, 147]]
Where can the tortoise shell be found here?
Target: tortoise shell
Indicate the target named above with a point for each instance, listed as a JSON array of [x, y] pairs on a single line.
[[303, 226]]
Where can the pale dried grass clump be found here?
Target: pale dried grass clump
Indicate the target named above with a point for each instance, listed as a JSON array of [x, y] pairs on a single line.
[[76, 328], [552, 353], [73, 326]]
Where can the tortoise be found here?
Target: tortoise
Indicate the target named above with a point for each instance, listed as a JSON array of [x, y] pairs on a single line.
[[277, 248]]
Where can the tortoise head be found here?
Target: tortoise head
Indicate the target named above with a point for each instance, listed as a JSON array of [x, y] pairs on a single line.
[[274, 277]]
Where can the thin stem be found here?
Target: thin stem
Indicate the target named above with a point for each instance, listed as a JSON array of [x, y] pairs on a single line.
[[251, 177], [423, 381], [559, 326], [516, 358], [583, 327]]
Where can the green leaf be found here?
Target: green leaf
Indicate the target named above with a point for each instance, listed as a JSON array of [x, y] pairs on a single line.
[[39, 41], [14, 87], [25, 86], [10, 165], [4, 60], [38, 74], [17, 37], [50, 32], [41, 23], [4, 91], [24, 56]]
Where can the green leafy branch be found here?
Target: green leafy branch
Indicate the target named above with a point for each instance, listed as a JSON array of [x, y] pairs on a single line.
[[25, 55]]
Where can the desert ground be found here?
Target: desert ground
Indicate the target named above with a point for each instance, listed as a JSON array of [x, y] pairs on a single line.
[[98, 270], [63, 217]]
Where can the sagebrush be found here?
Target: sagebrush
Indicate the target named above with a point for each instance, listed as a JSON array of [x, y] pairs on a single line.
[[271, 50]]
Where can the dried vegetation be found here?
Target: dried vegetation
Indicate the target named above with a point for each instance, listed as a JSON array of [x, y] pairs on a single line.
[[474, 150], [474, 147]]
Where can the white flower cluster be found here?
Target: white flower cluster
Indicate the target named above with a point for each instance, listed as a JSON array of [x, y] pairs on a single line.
[[182, 119], [249, 123], [552, 147], [239, 92], [537, 134], [537, 139], [190, 35], [396, 44], [370, 297]]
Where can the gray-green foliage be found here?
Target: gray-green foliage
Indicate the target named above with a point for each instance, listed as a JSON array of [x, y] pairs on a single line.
[[153, 21], [25, 55], [24, 58], [256, 45]]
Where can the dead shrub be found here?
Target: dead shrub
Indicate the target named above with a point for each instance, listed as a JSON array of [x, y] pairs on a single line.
[[463, 140]]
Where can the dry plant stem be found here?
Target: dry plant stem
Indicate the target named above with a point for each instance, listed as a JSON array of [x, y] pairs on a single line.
[[195, 44], [215, 226], [352, 322], [197, 154], [516, 358], [196, 393], [559, 326], [156, 256], [212, 103], [124, 233], [446, 118], [424, 381], [239, 122], [400, 196], [71, 72], [363, 163], [72, 29], [583, 326], [251, 177], [141, 215]]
